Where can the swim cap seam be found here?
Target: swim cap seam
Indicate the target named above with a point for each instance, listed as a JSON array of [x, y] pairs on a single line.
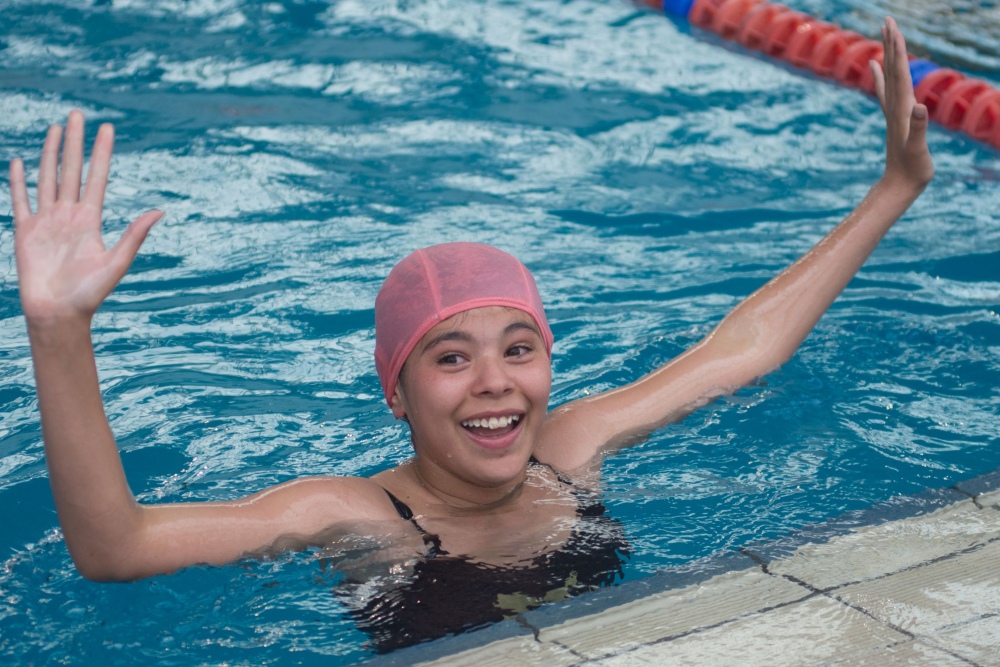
[[429, 276]]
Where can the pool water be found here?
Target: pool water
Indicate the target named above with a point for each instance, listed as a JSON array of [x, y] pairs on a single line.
[[648, 174]]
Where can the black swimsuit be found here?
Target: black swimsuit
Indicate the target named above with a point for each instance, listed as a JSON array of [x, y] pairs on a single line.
[[448, 594]]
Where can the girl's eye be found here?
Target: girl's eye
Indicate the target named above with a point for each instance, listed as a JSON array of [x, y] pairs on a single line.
[[449, 359], [519, 350]]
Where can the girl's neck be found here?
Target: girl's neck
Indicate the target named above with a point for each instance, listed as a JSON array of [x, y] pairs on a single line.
[[460, 495]]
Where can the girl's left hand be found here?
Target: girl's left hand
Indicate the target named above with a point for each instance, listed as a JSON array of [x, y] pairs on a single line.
[[907, 159]]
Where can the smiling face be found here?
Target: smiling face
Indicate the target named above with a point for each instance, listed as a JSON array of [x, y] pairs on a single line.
[[475, 391]]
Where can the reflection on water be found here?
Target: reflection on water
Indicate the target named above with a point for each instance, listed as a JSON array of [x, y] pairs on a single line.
[[648, 177]]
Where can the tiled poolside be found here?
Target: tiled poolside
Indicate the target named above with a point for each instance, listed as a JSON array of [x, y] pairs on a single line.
[[914, 581]]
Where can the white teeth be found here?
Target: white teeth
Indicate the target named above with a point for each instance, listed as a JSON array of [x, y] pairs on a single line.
[[492, 422]]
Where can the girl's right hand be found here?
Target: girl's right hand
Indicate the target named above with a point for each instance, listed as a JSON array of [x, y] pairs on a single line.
[[63, 267]]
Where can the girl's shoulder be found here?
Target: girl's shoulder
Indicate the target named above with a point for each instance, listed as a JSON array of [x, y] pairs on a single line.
[[347, 498]]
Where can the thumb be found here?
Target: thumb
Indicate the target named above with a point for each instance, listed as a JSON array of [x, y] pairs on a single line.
[[918, 124], [128, 245]]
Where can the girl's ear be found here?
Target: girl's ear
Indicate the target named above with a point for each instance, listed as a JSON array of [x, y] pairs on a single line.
[[398, 411]]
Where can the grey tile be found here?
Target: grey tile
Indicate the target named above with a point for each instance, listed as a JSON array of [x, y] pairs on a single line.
[[927, 600], [978, 641], [446, 646], [876, 551], [520, 651], [913, 653], [630, 591], [723, 598], [989, 500], [807, 633]]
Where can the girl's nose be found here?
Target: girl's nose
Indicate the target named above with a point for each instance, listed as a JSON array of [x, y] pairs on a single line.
[[492, 377]]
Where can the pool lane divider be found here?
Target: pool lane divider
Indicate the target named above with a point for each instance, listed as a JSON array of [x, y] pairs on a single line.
[[953, 100]]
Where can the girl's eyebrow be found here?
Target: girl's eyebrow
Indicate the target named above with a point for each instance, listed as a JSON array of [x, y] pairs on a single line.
[[518, 326], [464, 337], [446, 337]]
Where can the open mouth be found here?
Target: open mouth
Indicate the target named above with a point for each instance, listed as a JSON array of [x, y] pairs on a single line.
[[493, 427]]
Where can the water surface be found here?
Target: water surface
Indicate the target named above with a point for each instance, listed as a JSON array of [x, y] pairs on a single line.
[[649, 176]]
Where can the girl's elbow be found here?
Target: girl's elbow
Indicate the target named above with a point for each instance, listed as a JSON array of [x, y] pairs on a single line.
[[96, 563], [742, 355], [102, 572]]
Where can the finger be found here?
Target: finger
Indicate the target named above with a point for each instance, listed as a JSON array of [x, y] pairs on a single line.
[[902, 62], [128, 245], [897, 44], [891, 24], [72, 158], [889, 57], [879, 79], [100, 165], [892, 42], [899, 83], [19, 192], [48, 169]]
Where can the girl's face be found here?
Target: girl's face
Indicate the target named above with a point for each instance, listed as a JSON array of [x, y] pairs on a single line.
[[475, 391]]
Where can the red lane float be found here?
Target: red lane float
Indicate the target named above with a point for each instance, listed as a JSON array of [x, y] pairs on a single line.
[[933, 87], [803, 44], [756, 25], [956, 102], [852, 68], [959, 103], [829, 50], [703, 13], [729, 16], [982, 122], [784, 28]]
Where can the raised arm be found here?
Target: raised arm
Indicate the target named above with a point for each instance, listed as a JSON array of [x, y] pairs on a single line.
[[65, 273], [764, 330]]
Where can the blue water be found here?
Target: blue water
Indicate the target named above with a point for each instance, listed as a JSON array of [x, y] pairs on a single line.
[[648, 175]]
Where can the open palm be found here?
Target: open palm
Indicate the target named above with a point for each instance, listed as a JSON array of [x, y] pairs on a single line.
[[63, 266]]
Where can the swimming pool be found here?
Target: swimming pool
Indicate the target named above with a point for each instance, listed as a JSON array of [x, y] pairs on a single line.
[[647, 175]]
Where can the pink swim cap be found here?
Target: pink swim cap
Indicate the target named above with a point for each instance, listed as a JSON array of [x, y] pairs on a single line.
[[432, 284]]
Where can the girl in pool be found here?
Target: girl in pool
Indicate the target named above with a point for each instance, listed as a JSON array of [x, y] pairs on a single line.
[[463, 355]]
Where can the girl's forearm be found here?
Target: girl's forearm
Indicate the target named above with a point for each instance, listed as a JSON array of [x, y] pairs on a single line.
[[97, 511], [772, 322]]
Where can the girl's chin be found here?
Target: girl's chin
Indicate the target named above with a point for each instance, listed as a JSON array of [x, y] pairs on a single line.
[[499, 472]]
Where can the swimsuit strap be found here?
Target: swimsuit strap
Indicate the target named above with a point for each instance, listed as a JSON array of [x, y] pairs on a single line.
[[559, 475], [406, 514], [402, 508], [588, 503]]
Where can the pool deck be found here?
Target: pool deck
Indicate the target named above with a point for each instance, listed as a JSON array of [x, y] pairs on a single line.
[[913, 581]]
